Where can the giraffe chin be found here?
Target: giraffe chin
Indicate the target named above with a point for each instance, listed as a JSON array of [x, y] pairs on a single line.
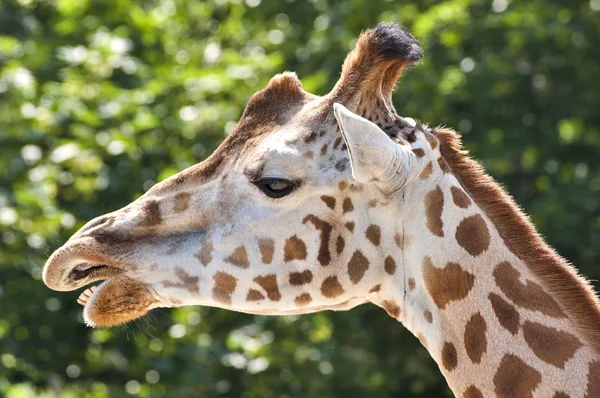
[[116, 301]]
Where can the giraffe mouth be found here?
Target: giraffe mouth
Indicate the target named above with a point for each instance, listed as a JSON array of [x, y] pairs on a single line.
[[88, 272], [117, 300]]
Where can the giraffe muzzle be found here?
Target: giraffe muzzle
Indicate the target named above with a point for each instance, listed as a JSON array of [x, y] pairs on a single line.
[[78, 264], [118, 299]]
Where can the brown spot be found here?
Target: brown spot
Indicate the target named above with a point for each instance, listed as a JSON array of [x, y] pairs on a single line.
[[325, 228], [324, 150], [347, 205], [337, 142], [182, 202], [254, 295], [514, 378], [188, 282], [389, 265], [472, 392], [472, 234], [331, 287], [528, 295], [204, 255], [449, 356], [224, 287], [303, 300], [309, 155], [428, 316], [329, 201], [426, 171], [550, 345], [350, 226], [151, 214], [423, 340], [374, 234], [507, 315], [294, 249], [339, 245], [402, 241], [311, 137], [357, 266], [375, 289], [560, 394], [392, 308], [239, 257], [322, 133], [443, 165], [419, 152], [433, 143], [593, 380], [411, 284], [269, 283], [373, 203], [301, 278], [460, 198], [434, 205], [448, 284], [342, 186], [267, 248], [475, 340]]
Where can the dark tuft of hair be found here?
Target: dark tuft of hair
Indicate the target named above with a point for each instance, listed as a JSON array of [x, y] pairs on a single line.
[[395, 42]]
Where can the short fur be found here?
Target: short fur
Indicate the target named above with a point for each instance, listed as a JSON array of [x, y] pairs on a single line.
[[572, 291]]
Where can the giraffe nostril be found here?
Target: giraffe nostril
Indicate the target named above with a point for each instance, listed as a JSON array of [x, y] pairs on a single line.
[[103, 221]]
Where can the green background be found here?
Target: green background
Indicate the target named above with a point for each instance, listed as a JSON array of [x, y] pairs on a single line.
[[101, 99]]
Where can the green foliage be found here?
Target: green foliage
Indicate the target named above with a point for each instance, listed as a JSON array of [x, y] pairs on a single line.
[[101, 99]]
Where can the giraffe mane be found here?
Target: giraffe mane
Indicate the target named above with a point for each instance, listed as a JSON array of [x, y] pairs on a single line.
[[573, 292]]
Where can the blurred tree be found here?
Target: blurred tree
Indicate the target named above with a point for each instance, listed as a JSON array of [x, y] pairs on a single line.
[[99, 100]]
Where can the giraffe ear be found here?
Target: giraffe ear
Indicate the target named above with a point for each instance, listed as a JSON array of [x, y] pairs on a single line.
[[374, 157]]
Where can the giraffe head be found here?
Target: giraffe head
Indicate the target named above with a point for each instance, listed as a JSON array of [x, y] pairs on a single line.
[[285, 217]]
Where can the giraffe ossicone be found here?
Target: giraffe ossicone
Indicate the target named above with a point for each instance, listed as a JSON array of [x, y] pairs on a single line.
[[325, 203]]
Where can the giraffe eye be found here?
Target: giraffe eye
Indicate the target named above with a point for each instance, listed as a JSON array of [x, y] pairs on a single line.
[[276, 187]]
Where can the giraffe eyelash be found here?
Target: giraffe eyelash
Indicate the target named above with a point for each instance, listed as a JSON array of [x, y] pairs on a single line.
[[276, 188]]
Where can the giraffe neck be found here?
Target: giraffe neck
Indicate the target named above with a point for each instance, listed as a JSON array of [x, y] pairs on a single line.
[[485, 318]]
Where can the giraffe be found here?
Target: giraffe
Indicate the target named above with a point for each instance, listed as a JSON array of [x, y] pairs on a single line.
[[325, 203]]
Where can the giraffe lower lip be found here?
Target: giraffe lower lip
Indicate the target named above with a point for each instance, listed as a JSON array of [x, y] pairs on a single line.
[[116, 301]]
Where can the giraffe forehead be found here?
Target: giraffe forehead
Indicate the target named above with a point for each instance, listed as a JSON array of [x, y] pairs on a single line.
[[298, 151], [278, 149], [284, 139]]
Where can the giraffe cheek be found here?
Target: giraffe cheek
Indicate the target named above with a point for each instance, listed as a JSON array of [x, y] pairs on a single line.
[[117, 301]]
